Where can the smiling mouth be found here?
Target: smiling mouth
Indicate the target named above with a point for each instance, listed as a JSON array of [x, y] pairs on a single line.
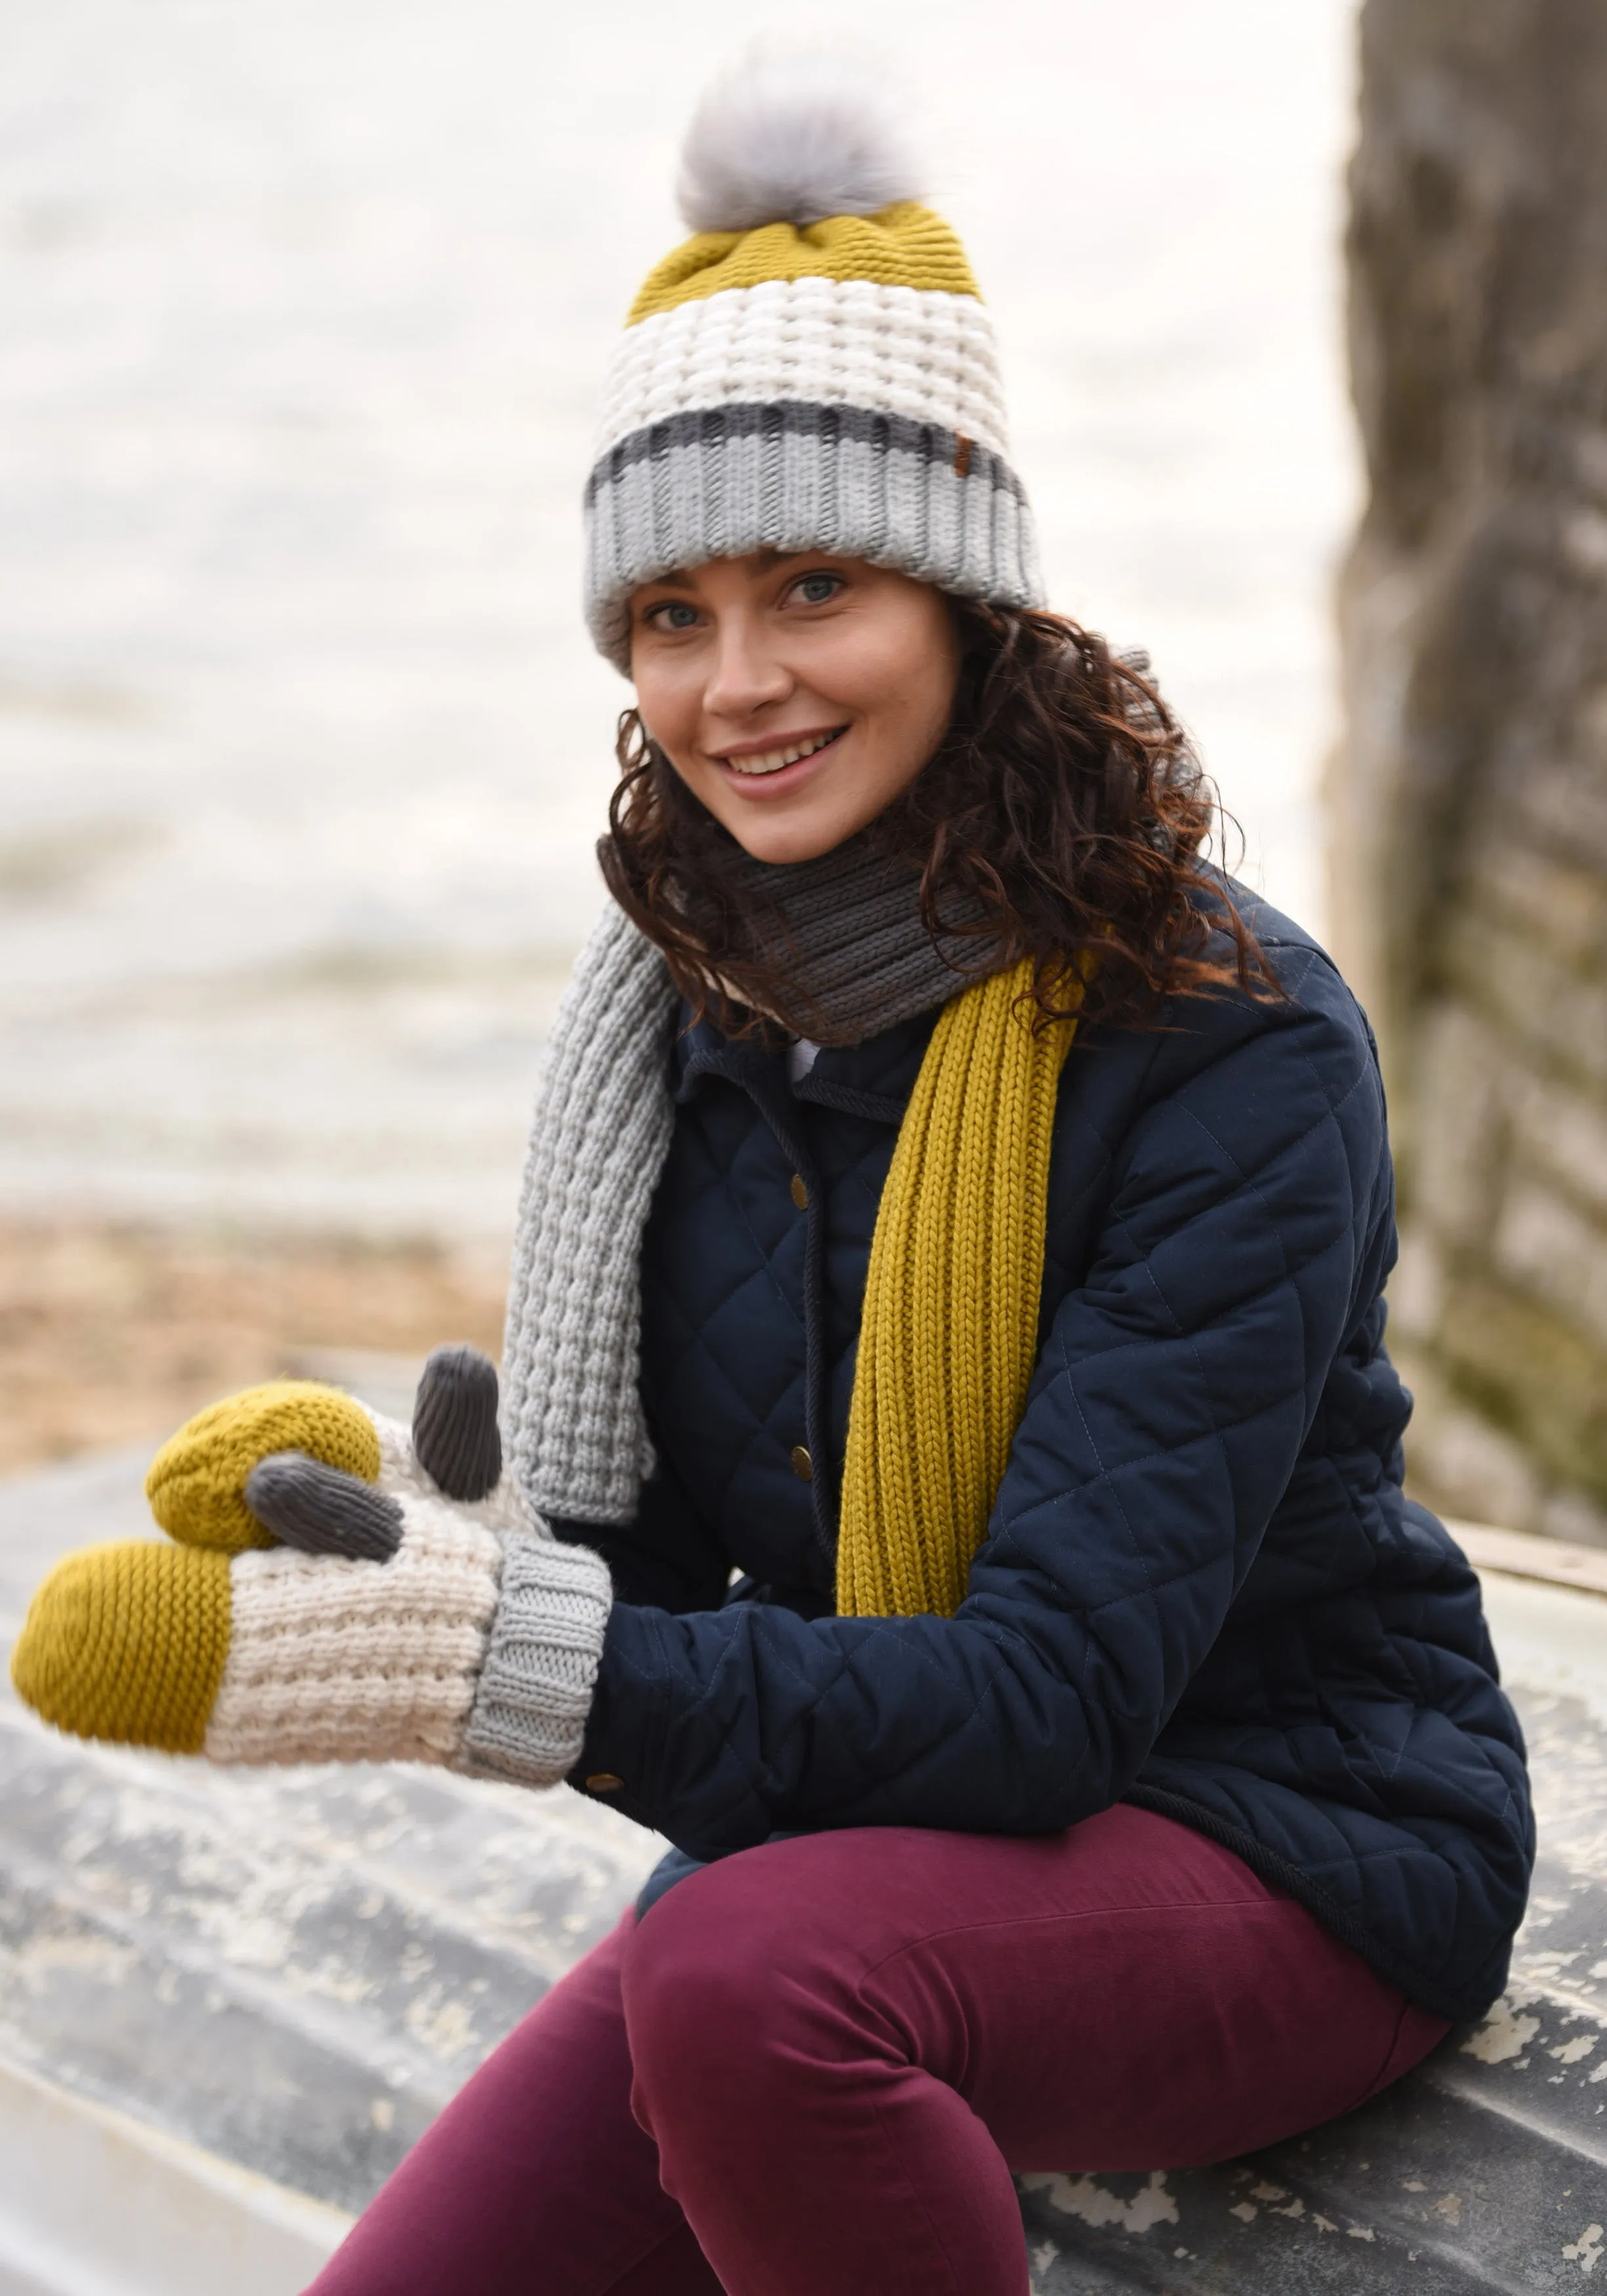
[[771, 761]]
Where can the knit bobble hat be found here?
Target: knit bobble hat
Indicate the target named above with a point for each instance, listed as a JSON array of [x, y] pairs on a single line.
[[813, 369]]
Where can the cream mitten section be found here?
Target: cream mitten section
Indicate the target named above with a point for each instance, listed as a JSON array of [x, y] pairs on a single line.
[[332, 1661]]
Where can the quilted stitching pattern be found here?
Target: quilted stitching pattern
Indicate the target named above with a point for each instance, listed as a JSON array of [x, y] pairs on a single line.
[[1203, 1587], [725, 1342]]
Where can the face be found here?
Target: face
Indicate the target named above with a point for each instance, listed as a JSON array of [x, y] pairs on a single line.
[[796, 695]]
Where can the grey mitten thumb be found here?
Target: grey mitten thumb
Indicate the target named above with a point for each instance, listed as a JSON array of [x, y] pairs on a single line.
[[456, 1437], [321, 1510]]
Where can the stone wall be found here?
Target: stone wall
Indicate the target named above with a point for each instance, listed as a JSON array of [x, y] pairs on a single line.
[[1469, 802]]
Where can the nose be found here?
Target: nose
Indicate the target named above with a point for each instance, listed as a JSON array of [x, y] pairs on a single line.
[[746, 674]]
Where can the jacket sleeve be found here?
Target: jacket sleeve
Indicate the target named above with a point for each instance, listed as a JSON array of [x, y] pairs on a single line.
[[1175, 1390]]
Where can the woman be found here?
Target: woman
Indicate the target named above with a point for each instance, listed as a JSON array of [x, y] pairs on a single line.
[[955, 1484]]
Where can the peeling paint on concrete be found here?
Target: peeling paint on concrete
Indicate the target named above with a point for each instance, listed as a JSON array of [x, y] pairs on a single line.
[[1093, 2201], [1585, 2251], [1502, 2035]]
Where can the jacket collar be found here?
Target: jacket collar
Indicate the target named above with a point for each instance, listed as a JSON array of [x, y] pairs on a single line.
[[872, 1080]]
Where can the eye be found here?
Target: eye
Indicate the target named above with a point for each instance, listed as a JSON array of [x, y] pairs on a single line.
[[818, 588], [672, 614]]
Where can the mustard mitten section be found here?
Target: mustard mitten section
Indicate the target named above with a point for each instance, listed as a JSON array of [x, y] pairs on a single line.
[[196, 1485], [128, 1643]]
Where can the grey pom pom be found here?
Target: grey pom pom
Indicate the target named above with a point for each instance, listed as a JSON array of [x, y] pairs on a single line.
[[321, 1510], [455, 1431], [794, 134]]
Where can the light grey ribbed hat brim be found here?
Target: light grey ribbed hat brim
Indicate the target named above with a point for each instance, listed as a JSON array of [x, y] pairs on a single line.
[[720, 481]]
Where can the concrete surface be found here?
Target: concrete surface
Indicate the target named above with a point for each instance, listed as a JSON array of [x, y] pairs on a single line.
[[229, 2002]]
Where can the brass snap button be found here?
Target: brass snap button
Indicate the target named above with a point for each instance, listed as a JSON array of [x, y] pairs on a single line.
[[803, 1466], [800, 1195], [604, 1781]]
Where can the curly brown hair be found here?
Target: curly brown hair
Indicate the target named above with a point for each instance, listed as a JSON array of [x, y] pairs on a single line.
[[1063, 818]]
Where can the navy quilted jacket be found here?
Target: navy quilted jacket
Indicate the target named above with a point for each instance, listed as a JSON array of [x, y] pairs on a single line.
[[1202, 1590]]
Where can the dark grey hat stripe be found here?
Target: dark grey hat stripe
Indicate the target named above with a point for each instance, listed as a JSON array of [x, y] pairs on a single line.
[[800, 418]]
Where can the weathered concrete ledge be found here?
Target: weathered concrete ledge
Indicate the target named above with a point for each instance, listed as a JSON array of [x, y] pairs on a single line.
[[241, 1996]]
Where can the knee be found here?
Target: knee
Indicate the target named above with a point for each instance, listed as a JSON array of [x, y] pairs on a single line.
[[722, 1982], [698, 1973]]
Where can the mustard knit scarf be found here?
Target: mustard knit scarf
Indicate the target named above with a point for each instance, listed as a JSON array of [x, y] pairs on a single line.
[[949, 1330]]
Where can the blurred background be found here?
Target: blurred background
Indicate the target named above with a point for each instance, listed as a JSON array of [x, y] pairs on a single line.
[[303, 756], [303, 752], [303, 749]]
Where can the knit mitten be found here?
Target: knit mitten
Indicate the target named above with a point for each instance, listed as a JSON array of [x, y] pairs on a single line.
[[337, 1589]]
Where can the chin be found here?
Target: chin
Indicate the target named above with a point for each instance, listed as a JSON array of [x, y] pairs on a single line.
[[776, 841]]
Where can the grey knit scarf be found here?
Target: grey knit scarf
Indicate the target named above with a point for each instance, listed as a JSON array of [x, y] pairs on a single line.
[[859, 959]]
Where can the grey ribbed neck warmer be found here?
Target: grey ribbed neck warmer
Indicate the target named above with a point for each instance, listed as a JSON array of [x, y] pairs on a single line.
[[846, 936]]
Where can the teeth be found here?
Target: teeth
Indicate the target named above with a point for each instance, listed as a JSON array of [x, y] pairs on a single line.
[[771, 761]]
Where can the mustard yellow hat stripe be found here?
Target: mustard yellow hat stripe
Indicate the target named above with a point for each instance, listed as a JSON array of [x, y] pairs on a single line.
[[904, 246], [949, 1330]]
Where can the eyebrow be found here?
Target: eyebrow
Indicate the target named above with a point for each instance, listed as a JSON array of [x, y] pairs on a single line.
[[765, 562]]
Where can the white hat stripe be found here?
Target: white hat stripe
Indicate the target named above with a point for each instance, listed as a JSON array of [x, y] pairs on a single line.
[[920, 354]]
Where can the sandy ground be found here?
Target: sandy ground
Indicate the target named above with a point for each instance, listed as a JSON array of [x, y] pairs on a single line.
[[109, 1334]]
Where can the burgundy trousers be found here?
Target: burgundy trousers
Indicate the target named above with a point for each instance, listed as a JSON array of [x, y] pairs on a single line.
[[810, 2069]]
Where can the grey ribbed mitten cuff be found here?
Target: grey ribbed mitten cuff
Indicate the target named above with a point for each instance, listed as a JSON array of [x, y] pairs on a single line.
[[545, 1645]]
